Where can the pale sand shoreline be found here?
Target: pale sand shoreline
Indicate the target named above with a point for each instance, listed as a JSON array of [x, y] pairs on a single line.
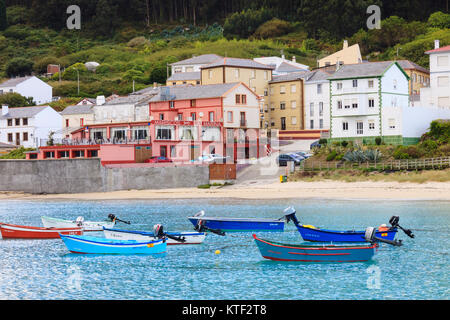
[[437, 191]]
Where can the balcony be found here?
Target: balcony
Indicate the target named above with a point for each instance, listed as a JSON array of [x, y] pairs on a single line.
[[243, 123]]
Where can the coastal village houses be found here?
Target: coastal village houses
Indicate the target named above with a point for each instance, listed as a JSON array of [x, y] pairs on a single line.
[[28, 126], [29, 86]]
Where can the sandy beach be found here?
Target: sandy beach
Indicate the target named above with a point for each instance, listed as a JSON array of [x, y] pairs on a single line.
[[269, 190]]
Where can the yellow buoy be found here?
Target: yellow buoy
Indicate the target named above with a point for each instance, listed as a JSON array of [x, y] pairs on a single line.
[[217, 252]]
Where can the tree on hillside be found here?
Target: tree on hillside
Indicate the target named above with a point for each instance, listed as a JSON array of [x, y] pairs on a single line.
[[3, 19], [19, 67], [14, 99]]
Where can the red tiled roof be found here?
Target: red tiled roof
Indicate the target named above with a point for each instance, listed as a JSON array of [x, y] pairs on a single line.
[[443, 49]]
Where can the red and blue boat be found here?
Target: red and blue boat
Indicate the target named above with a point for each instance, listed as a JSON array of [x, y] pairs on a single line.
[[311, 233], [315, 253]]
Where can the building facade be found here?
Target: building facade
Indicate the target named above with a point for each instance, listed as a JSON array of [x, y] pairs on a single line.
[[348, 55], [30, 86]]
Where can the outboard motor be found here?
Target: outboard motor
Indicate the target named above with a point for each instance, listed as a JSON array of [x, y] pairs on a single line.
[[112, 217], [79, 221], [289, 214], [372, 238], [158, 232], [200, 227], [394, 222], [199, 214]]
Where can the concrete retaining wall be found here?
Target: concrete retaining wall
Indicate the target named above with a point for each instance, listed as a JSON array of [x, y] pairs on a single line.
[[87, 175]]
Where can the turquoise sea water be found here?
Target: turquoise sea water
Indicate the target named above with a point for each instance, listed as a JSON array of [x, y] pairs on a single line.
[[43, 269]]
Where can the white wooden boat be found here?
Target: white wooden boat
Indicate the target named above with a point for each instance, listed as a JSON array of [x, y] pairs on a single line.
[[189, 237], [49, 222]]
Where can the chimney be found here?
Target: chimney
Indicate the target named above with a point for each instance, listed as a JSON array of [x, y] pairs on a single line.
[[294, 59], [345, 44], [283, 57], [100, 100], [5, 109], [436, 44], [155, 84], [338, 65]]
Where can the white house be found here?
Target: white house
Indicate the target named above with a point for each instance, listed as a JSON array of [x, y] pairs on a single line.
[[29, 86], [194, 64], [317, 100], [29, 126], [438, 93], [371, 100], [281, 65]]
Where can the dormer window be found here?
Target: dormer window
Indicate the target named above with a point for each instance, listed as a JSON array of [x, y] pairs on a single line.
[[171, 104]]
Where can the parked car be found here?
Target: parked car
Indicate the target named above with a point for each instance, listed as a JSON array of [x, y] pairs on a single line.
[[283, 159], [210, 158], [303, 154], [158, 159], [315, 144], [298, 156]]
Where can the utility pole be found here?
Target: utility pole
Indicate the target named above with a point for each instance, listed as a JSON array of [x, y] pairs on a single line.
[[78, 81]]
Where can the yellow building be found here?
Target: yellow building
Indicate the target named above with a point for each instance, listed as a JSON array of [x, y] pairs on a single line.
[[184, 78], [348, 55], [419, 77], [285, 104]]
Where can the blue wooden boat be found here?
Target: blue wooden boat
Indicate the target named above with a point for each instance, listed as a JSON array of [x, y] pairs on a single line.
[[311, 233], [96, 245], [227, 224], [315, 253]]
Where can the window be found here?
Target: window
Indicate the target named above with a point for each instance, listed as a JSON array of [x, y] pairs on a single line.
[[81, 122], [282, 89], [293, 104], [266, 108], [371, 125], [347, 104], [359, 127], [311, 124], [63, 154], [266, 92], [184, 82], [320, 123], [339, 104], [238, 99], [319, 88], [187, 133], [171, 104], [443, 82], [394, 84], [282, 105], [236, 73], [371, 103], [370, 83], [345, 126], [293, 120], [163, 151], [253, 74], [17, 122], [177, 70], [230, 116], [339, 85], [10, 122], [320, 108], [272, 107], [355, 83], [442, 61], [283, 123], [210, 74], [118, 133], [193, 116], [49, 154], [25, 121], [25, 136], [10, 137], [180, 117], [161, 116], [67, 123], [198, 82], [173, 151], [174, 83], [140, 133], [355, 105], [391, 123], [293, 88], [164, 132], [192, 103], [211, 116], [311, 109], [244, 99], [266, 75]]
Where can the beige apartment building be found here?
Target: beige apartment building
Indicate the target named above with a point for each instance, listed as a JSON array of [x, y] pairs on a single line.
[[348, 55], [285, 104]]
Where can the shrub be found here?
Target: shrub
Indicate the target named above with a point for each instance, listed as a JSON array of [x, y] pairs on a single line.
[[378, 141], [323, 141], [71, 72], [14, 99], [429, 145], [332, 155], [40, 66], [407, 152], [439, 20], [273, 28], [344, 143], [19, 67], [138, 42]]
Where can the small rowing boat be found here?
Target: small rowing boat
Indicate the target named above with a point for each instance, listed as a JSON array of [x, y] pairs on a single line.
[[50, 222], [96, 245], [227, 224], [11, 231], [189, 237], [315, 253]]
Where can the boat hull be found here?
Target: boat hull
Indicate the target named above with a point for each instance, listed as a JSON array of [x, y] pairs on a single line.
[[96, 245], [240, 224], [89, 226], [11, 231], [315, 253], [323, 235], [190, 237]]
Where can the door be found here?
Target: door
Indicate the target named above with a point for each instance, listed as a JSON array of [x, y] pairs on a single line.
[[163, 151]]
